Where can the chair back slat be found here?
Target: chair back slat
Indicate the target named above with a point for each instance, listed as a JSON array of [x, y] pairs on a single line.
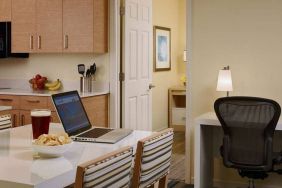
[[112, 170], [152, 159]]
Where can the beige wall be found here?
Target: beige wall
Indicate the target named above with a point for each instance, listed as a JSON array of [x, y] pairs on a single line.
[[247, 35], [63, 66], [171, 14]]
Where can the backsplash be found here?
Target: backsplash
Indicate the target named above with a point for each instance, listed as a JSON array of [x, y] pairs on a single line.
[[53, 66], [22, 84]]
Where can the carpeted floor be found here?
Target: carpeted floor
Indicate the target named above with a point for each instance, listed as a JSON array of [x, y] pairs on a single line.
[[178, 184], [177, 170]]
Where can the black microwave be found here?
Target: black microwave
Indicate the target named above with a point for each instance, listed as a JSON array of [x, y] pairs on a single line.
[[5, 42]]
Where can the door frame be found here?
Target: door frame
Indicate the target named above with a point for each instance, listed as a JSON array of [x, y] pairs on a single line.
[[189, 101], [114, 66]]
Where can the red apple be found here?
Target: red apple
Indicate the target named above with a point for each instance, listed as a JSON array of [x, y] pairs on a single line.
[[38, 76]]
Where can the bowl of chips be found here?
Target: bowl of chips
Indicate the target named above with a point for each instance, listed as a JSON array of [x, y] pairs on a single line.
[[52, 145]]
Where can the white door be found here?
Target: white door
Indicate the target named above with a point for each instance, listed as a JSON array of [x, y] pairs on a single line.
[[137, 65]]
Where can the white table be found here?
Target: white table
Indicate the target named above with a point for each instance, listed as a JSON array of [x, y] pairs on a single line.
[[19, 167], [208, 138]]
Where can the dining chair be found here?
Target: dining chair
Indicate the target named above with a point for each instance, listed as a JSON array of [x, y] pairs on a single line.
[[111, 170], [152, 160], [5, 122]]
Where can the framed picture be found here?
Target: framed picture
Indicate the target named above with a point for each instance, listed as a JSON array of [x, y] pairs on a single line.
[[162, 49]]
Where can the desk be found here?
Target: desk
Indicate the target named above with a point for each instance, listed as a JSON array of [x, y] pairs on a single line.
[[205, 139], [20, 169], [177, 108]]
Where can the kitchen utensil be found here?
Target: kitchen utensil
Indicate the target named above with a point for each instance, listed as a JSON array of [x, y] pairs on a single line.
[[81, 69], [88, 72], [93, 69]]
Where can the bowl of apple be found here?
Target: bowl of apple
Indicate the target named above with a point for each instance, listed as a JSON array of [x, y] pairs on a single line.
[[38, 82]]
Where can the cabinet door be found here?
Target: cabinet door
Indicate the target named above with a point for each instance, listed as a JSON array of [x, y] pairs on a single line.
[[97, 110], [49, 25], [25, 117], [100, 26], [55, 118], [78, 25], [23, 26], [15, 118], [5, 10]]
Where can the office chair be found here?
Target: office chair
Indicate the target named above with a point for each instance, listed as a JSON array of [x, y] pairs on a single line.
[[248, 124]]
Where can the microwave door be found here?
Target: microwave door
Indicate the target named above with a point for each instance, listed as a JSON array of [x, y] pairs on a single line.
[[3, 39]]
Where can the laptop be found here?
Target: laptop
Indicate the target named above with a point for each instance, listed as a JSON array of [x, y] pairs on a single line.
[[76, 123]]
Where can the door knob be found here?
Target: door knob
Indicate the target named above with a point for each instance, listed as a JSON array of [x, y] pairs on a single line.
[[151, 86]]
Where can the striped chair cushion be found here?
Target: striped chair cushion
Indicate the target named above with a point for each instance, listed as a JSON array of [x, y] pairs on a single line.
[[5, 122], [155, 157], [111, 171]]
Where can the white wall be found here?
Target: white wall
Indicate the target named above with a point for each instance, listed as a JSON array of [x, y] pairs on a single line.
[[247, 35], [171, 14], [63, 66]]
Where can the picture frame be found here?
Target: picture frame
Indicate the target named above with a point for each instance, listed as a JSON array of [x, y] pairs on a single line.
[[162, 48]]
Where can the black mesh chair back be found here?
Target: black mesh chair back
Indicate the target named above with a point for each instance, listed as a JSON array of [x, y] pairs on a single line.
[[248, 124]]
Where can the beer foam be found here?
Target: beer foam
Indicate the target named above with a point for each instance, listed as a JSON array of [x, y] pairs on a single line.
[[40, 113]]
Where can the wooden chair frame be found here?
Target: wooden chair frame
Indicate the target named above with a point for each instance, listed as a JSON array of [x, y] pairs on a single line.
[[138, 162]]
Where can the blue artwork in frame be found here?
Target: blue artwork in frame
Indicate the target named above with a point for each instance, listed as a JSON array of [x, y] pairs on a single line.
[[162, 46], [162, 49]]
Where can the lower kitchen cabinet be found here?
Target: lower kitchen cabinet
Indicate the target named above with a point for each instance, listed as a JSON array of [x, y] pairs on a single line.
[[96, 108]]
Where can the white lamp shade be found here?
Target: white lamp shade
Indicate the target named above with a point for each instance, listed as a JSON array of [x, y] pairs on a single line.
[[224, 81]]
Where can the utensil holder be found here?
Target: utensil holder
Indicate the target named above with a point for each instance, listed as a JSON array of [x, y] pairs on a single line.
[[82, 84], [89, 84], [85, 84]]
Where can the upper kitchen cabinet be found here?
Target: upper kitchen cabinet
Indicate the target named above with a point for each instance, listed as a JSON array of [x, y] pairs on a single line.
[[37, 26], [56, 26], [101, 17], [5, 10], [49, 26], [23, 26], [78, 26]]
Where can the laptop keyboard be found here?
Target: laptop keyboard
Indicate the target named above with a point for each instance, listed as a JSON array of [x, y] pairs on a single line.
[[95, 133]]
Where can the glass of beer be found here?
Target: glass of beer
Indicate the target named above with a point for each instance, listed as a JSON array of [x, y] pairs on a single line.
[[40, 120]]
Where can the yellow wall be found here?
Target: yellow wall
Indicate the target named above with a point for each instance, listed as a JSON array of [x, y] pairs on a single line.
[[63, 66], [171, 14], [247, 35]]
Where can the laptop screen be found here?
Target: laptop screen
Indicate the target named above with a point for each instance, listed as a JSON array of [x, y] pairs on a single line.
[[71, 112]]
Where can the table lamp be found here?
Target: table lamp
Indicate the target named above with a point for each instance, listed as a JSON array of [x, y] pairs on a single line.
[[224, 81]]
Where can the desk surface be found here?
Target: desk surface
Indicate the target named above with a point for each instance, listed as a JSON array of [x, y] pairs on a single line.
[[210, 118], [19, 167]]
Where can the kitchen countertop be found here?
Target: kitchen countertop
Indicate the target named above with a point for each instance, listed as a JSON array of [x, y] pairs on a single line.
[[47, 93], [2, 108]]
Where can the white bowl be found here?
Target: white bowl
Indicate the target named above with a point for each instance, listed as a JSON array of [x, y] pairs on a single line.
[[51, 151]]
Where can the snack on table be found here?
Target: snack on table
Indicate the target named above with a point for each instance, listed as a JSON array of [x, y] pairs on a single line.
[[53, 139]]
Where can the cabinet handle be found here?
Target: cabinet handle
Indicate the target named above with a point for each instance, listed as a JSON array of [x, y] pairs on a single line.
[[14, 120], [66, 42], [39, 42], [31, 101], [22, 119], [31, 42], [7, 100]]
